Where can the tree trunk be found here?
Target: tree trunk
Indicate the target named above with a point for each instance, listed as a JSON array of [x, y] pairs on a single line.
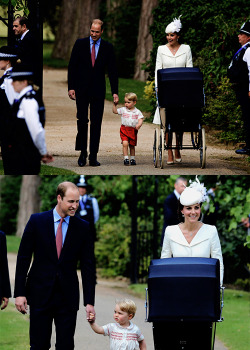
[[29, 202], [74, 23], [145, 41]]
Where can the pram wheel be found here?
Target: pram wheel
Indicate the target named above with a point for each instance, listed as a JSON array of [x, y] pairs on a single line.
[[161, 148], [202, 148], [156, 147]]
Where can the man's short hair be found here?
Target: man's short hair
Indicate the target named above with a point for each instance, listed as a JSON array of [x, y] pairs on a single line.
[[22, 20], [97, 21], [63, 186], [180, 179]]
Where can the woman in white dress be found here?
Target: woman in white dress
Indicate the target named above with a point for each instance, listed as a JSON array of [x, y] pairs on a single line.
[[173, 55], [192, 238]]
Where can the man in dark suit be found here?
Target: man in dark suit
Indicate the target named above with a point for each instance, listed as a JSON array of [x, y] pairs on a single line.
[[171, 205], [57, 240], [5, 291], [27, 47], [89, 60]]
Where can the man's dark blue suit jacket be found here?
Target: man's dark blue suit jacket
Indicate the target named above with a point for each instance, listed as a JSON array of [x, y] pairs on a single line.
[[85, 79], [38, 283]]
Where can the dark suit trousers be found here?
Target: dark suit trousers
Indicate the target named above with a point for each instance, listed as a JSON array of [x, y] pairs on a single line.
[[96, 113], [41, 319], [244, 101]]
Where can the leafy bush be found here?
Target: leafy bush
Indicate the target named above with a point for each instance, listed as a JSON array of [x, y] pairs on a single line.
[[113, 246], [243, 284], [9, 194], [223, 113]]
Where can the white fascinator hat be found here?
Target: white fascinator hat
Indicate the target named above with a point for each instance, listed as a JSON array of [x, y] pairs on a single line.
[[174, 26], [195, 193]]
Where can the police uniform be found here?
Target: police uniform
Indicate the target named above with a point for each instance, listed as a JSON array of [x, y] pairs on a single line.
[[88, 208], [7, 96], [239, 75], [26, 136]]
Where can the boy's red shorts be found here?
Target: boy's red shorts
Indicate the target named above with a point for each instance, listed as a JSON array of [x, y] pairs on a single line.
[[129, 134]]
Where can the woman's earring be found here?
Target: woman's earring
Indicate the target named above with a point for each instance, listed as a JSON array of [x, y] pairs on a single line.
[[182, 215]]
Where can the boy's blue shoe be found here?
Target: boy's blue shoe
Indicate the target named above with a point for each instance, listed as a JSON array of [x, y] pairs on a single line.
[[132, 162]]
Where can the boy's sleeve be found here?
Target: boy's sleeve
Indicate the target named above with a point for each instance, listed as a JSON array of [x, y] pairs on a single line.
[[140, 336], [140, 115], [107, 329], [120, 110]]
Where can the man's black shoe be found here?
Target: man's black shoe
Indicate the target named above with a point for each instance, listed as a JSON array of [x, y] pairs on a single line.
[[243, 151], [126, 162], [94, 163], [81, 160]]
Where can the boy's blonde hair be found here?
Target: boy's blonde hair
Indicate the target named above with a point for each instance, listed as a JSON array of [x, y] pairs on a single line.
[[131, 96], [127, 305]]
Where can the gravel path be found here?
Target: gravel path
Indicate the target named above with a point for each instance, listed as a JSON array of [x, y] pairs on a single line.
[[106, 294], [61, 131]]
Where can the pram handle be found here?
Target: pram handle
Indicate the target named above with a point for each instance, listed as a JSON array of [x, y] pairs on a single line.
[[146, 304], [222, 304], [156, 95]]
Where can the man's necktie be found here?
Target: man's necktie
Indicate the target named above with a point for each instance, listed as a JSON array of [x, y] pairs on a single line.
[[93, 54], [59, 238]]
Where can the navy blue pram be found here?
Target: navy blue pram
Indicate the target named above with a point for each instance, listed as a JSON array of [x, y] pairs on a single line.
[[180, 101], [184, 297]]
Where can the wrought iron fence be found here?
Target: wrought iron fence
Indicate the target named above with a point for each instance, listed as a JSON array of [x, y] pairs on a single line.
[[145, 236]]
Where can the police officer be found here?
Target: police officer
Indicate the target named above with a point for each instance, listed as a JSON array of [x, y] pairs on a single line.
[[8, 58], [25, 132], [88, 206], [239, 75]]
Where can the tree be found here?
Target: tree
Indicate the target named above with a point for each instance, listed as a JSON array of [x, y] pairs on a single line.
[[9, 197], [74, 22], [121, 18], [29, 202], [145, 40]]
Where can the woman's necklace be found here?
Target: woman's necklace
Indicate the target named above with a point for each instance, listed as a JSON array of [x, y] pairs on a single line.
[[190, 234], [173, 49]]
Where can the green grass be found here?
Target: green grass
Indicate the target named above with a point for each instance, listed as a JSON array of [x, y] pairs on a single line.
[[14, 329], [13, 243], [234, 331], [46, 170], [50, 170], [48, 60]]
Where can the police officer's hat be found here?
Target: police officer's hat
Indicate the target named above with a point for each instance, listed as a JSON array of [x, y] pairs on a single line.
[[82, 182], [245, 28], [7, 53], [21, 72]]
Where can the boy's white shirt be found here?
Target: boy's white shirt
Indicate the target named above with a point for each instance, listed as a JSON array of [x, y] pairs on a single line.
[[130, 117]]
